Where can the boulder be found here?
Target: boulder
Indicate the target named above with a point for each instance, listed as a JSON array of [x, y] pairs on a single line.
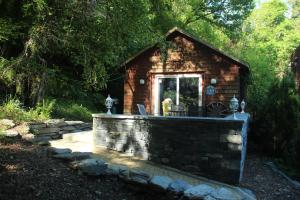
[[198, 192], [178, 186], [225, 194], [54, 151], [7, 123], [92, 167], [11, 133], [73, 156], [28, 137], [160, 182]]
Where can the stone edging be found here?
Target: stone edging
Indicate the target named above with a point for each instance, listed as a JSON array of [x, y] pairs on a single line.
[[139, 180], [295, 184]]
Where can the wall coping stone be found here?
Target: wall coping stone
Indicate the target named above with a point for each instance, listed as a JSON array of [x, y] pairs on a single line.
[[167, 118]]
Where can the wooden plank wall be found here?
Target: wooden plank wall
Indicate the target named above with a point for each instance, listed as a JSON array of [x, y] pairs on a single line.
[[185, 56]]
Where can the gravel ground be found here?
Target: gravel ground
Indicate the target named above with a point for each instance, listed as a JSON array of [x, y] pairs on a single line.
[[27, 173], [265, 183]]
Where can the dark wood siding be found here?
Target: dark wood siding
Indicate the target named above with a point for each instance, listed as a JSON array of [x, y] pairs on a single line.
[[185, 56]]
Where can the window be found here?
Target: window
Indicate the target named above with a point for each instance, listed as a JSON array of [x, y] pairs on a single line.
[[183, 89]]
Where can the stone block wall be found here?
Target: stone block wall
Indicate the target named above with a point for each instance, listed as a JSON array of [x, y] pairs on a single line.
[[55, 128], [209, 147]]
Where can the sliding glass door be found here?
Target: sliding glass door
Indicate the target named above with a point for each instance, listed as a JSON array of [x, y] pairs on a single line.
[[185, 90]]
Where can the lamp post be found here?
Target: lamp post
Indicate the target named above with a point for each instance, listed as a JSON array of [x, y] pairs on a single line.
[[243, 105], [234, 105], [108, 103]]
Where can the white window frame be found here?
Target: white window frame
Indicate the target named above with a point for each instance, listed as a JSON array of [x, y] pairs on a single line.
[[157, 104]]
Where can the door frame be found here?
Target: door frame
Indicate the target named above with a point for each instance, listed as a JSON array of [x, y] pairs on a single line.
[[177, 76]]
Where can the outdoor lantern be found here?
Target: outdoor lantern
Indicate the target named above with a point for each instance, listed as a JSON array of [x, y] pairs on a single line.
[[109, 103], [213, 81], [243, 105], [142, 81], [234, 105]]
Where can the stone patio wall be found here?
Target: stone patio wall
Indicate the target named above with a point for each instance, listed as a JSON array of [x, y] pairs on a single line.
[[209, 147]]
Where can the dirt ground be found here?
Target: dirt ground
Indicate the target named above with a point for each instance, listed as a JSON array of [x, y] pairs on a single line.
[[265, 183], [27, 173]]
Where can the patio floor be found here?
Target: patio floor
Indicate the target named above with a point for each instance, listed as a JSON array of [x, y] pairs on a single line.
[[83, 142]]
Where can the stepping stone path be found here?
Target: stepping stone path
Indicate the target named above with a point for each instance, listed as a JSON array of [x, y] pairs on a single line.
[[176, 189]]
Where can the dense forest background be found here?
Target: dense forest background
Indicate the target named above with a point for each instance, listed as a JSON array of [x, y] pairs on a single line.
[[57, 58]]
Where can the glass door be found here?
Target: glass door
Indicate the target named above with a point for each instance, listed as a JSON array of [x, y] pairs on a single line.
[[185, 91]]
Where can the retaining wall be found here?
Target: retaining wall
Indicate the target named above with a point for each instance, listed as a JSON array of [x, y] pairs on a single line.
[[209, 147]]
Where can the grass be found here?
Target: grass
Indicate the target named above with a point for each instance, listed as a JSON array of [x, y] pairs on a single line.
[[72, 111], [13, 109], [69, 110]]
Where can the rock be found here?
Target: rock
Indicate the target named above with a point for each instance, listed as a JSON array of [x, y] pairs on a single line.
[[56, 123], [160, 182], [209, 198], [225, 194], [49, 130], [247, 192], [44, 143], [42, 138], [178, 187], [92, 167], [73, 123], [198, 192], [116, 169], [68, 128], [28, 137], [37, 126], [73, 156], [7, 123], [138, 177], [11, 133], [54, 151]]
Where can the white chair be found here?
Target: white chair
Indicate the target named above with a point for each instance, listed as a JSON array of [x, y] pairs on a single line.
[[142, 109]]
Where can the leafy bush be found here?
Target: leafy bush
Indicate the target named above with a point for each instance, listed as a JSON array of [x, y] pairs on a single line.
[[13, 109], [277, 126], [72, 111]]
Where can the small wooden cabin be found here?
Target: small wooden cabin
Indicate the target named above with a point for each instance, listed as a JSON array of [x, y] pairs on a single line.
[[190, 72]]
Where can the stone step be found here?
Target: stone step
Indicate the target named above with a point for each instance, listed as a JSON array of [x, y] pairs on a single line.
[[84, 136]]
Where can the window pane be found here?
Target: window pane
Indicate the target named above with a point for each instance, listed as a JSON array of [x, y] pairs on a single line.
[[189, 93], [167, 89]]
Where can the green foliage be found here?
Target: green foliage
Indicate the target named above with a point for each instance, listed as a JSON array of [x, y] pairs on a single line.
[[278, 123], [72, 111], [13, 109]]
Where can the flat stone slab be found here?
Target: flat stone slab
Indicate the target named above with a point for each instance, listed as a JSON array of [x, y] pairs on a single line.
[[53, 150], [198, 192], [178, 186], [48, 130], [11, 133], [160, 182], [225, 194], [138, 177], [73, 156], [92, 167]]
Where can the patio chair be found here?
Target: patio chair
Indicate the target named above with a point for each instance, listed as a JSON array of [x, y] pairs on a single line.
[[216, 109], [142, 109]]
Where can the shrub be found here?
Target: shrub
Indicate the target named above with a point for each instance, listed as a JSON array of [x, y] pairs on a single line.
[[72, 111], [277, 126], [13, 109]]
